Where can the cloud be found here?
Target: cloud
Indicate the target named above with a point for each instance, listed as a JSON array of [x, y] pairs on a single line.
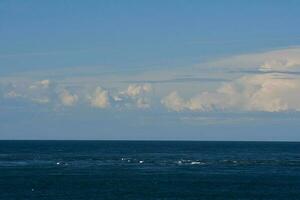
[[135, 94], [266, 81], [202, 102], [267, 93], [248, 93], [40, 85], [180, 80], [174, 102], [12, 94], [269, 83], [33, 91], [100, 98], [295, 73], [134, 90], [142, 103], [46, 91], [68, 99], [276, 60]]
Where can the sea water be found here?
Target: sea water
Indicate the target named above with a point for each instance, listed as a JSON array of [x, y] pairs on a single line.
[[70, 170]]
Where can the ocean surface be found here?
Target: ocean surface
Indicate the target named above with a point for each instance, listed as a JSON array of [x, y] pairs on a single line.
[[70, 170]]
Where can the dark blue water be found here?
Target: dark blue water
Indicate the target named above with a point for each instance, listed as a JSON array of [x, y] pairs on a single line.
[[148, 170]]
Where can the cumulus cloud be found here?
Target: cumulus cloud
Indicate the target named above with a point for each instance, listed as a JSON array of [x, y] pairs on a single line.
[[100, 98], [134, 90], [202, 102], [273, 86], [135, 94], [248, 93], [268, 93], [174, 102], [274, 91], [68, 99], [46, 91]]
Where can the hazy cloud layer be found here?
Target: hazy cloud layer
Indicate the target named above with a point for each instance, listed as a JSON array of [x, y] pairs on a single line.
[[53, 93], [180, 80], [34, 91], [276, 60], [267, 81]]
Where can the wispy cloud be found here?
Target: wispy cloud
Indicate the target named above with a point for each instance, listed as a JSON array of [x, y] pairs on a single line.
[[34, 91], [265, 72], [179, 80], [282, 59]]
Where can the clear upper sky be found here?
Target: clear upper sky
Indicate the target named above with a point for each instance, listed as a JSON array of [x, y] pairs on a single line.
[[192, 70]]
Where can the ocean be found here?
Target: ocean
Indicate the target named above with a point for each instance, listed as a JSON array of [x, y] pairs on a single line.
[[71, 170]]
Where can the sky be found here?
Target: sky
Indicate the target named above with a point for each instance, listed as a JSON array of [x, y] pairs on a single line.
[[150, 70]]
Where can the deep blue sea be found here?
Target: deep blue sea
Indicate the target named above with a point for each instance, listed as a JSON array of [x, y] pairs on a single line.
[[70, 170]]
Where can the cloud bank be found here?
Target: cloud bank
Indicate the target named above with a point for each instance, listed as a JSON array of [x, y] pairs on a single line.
[[272, 86], [55, 93], [248, 93], [275, 91]]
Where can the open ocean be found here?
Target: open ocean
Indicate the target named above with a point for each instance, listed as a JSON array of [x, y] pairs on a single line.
[[70, 170]]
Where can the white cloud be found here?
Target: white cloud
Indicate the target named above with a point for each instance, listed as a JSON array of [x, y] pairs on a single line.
[[271, 92], [268, 93], [43, 84], [43, 91], [283, 59], [67, 98], [135, 94], [249, 93], [262, 88], [202, 102], [100, 98], [134, 90], [174, 102]]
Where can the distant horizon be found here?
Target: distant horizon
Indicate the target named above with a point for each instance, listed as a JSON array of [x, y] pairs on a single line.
[[103, 140]]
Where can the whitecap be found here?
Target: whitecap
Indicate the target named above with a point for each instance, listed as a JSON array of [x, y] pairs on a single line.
[[196, 163]]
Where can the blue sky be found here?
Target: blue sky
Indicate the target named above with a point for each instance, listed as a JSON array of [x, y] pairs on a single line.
[[192, 70]]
